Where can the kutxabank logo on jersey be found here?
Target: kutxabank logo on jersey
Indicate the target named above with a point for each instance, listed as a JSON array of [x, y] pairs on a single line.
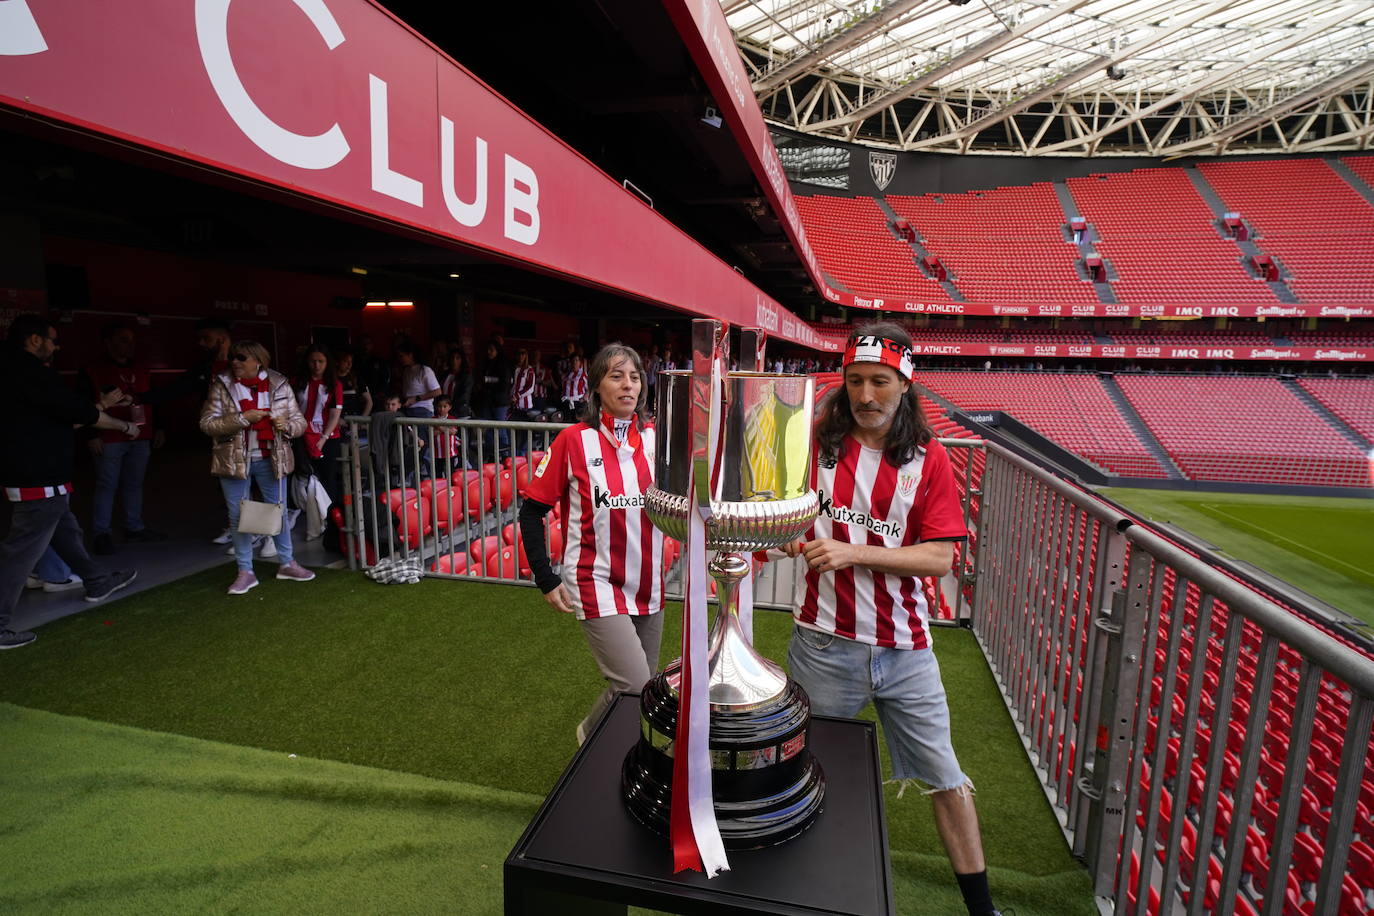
[[847, 516], [882, 166], [602, 499]]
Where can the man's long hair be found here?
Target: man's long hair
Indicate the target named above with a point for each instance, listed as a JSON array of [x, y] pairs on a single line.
[[909, 428]]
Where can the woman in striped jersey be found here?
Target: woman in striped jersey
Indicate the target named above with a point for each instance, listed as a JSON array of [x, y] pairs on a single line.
[[597, 472]]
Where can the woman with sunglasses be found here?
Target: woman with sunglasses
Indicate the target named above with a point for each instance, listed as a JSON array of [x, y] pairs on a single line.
[[252, 415]]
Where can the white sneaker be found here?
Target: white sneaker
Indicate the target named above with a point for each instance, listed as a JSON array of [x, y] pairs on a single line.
[[225, 537], [33, 582], [269, 549], [73, 581], [230, 551]]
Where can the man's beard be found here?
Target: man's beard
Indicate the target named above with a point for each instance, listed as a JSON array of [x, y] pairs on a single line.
[[876, 419]]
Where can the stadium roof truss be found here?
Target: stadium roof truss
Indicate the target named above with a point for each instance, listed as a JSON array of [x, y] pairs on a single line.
[[1065, 77]]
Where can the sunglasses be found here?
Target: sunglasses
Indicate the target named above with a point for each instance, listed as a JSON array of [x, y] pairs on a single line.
[[239, 358]]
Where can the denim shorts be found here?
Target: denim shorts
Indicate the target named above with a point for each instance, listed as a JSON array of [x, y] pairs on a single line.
[[842, 676]]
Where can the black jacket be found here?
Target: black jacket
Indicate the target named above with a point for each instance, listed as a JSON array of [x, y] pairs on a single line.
[[492, 389], [43, 410]]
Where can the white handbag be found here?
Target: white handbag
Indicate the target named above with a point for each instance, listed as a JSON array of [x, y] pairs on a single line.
[[263, 518], [260, 518]]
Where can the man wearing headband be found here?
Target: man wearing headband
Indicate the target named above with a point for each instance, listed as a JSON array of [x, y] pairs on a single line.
[[890, 516]]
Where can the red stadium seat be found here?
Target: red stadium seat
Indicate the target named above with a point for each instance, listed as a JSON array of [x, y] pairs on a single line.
[[454, 563]]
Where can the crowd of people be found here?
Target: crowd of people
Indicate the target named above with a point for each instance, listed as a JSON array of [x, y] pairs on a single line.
[[269, 429]]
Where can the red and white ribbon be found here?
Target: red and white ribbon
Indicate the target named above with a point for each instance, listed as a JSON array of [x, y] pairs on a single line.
[[692, 826]]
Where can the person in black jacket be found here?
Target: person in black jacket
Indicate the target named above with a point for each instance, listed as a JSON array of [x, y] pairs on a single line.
[[491, 395], [36, 469]]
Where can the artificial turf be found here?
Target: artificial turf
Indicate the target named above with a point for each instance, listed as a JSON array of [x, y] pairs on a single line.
[[103, 818], [475, 685], [1321, 545]]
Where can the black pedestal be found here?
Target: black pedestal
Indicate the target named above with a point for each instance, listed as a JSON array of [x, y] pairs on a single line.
[[584, 853]]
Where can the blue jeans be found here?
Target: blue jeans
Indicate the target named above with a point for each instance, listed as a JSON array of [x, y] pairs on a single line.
[[261, 472], [120, 466], [841, 676], [493, 450], [51, 568]]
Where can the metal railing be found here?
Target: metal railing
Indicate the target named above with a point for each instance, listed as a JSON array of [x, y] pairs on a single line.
[[1205, 750], [436, 510]]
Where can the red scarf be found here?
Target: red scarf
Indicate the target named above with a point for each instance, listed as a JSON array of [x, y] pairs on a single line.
[[260, 387]]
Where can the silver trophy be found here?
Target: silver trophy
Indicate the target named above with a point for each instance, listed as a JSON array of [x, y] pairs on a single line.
[[766, 785]]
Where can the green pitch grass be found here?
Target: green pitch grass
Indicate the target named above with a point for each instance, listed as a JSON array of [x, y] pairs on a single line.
[[1324, 546], [427, 722]]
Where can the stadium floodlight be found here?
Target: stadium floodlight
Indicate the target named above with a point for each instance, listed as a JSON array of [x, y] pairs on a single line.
[[1115, 73]]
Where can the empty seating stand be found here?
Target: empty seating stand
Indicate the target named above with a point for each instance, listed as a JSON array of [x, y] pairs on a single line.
[[1351, 399], [1001, 245], [851, 238], [1161, 239], [1309, 218], [1244, 429], [1073, 410]]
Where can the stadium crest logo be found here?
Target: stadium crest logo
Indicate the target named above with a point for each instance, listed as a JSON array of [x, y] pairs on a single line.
[[882, 166]]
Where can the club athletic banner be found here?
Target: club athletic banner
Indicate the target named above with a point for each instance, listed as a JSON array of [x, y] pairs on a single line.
[[340, 101], [706, 32]]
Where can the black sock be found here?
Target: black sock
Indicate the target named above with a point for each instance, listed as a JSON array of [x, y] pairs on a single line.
[[977, 896]]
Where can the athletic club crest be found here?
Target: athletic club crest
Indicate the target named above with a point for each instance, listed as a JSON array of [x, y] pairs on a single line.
[[906, 483], [882, 166]]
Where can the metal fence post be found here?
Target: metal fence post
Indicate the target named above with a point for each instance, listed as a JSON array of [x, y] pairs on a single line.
[[1122, 624]]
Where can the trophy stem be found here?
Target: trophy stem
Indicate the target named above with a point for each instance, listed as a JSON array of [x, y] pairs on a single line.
[[740, 678]]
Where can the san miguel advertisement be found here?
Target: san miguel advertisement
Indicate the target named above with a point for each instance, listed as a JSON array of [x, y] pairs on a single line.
[[1131, 351], [340, 101]]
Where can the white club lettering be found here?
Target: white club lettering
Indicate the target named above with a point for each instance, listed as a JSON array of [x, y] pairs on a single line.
[[320, 151], [386, 180], [19, 32], [468, 213], [521, 197]]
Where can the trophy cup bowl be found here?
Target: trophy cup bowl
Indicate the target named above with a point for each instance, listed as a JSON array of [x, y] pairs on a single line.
[[767, 787]]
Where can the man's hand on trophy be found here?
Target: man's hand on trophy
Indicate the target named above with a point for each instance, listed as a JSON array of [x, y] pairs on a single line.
[[793, 549], [828, 555], [558, 600]]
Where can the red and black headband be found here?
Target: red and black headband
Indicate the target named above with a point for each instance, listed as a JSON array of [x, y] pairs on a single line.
[[884, 350]]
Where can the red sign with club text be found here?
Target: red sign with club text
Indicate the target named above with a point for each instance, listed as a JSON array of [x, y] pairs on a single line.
[[340, 101]]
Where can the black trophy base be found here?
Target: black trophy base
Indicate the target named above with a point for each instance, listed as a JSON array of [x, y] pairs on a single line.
[[767, 786]]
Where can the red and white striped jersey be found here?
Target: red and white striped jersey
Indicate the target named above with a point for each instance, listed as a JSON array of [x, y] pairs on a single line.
[[575, 385], [612, 554], [522, 388], [865, 500], [316, 404]]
